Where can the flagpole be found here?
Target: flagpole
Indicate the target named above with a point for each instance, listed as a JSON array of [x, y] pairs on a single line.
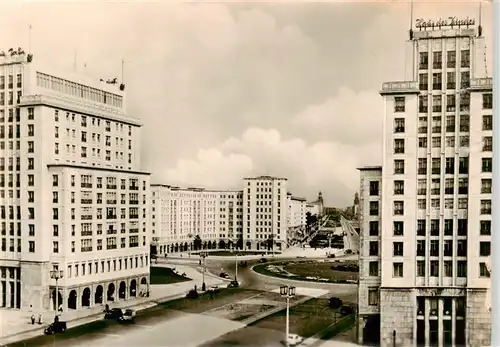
[[29, 39]]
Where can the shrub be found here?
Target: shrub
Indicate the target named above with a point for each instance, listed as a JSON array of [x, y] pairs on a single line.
[[192, 294]]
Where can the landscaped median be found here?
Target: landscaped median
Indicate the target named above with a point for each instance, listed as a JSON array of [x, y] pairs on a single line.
[[324, 271]]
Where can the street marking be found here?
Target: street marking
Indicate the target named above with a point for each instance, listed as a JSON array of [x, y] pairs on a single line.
[[111, 335], [144, 326]]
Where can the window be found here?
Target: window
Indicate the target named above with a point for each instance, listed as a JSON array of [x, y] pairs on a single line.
[[435, 186], [486, 165], [434, 268], [374, 208], [422, 166], [397, 248], [436, 124], [483, 270], [437, 79], [55, 197], [464, 101], [436, 104], [422, 186], [485, 227], [462, 227], [437, 60], [31, 246], [462, 248], [485, 206], [397, 269], [374, 188], [448, 227], [434, 248], [487, 143], [422, 142], [420, 248], [55, 214], [463, 185], [421, 204], [450, 124], [436, 166], [55, 247], [399, 146], [423, 103], [420, 268], [463, 165], [398, 187], [451, 59], [450, 141], [487, 122], [451, 84], [374, 228], [488, 101], [465, 58], [484, 249], [31, 130], [448, 268], [423, 61], [450, 165], [372, 296], [486, 185], [461, 268], [373, 268], [398, 208], [399, 166], [55, 180], [373, 250], [399, 125], [398, 228], [436, 142], [434, 227]]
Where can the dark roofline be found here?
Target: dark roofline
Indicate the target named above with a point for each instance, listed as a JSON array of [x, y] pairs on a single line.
[[370, 168], [99, 168], [266, 177]]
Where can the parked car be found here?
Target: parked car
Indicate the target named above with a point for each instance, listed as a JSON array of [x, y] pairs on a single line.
[[293, 340], [127, 316], [114, 313], [223, 275], [346, 309], [55, 327], [233, 284], [214, 289], [263, 260]]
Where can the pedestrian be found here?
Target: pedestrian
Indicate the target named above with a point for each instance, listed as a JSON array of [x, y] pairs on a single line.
[[39, 319], [32, 319]]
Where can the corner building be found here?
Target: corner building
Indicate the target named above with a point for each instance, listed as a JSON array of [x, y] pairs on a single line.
[[435, 212], [73, 197]]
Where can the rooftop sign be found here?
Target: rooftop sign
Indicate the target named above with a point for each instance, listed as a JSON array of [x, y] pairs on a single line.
[[450, 22]]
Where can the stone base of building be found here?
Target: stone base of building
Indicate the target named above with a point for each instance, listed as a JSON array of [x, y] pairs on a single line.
[[368, 329], [432, 316], [27, 286]]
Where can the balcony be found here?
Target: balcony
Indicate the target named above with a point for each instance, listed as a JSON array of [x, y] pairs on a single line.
[[86, 185], [134, 230], [86, 233], [86, 217], [111, 216], [133, 202], [399, 87], [86, 201], [111, 231], [111, 186], [110, 247], [133, 187], [111, 202]]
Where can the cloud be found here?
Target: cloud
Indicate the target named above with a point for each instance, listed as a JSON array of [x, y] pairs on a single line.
[[327, 166]]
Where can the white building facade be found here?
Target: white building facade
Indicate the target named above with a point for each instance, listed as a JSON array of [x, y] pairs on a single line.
[[74, 198], [179, 215], [436, 194], [296, 211]]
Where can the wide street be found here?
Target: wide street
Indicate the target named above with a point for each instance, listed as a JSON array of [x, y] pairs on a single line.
[[193, 322]]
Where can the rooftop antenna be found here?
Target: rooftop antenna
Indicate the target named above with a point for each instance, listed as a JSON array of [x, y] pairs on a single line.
[[122, 84], [29, 39], [411, 20], [480, 27]]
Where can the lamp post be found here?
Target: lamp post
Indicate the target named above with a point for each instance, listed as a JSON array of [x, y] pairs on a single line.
[[203, 255], [287, 292], [235, 249], [56, 275]]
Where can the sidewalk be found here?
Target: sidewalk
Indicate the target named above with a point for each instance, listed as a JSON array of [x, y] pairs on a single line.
[[15, 325]]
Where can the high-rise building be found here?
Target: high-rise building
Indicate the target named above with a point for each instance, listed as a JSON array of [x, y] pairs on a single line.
[[435, 203], [73, 197], [265, 213], [296, 216]]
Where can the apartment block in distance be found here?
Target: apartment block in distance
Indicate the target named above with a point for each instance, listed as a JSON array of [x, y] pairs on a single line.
[[436, 192], [179, 215], [73, 196], [265, 213]]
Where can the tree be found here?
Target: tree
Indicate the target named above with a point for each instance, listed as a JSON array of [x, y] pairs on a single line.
[[270, 242], [239, 242], [197, 242]]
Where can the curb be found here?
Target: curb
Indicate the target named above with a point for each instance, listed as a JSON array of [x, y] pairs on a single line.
[[257, 318]]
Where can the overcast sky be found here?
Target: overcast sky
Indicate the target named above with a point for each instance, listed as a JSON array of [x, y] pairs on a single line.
[[227, 90]]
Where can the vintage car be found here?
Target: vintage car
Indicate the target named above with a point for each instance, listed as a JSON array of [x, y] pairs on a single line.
[[55, 327]]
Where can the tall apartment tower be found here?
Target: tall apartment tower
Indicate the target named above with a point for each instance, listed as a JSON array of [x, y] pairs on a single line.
[[435, 193], [73, 198], [265, 213]]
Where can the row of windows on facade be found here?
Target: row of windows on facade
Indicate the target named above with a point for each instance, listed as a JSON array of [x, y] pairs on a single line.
[[463, 166], [10, 100], [111, 182], [17, 117], [398, 206], [87, 213], [96, 152], [434, 267], [96, 137], [487, 145], [437, 100], [451, 81], [435, 188], [86, 198], [450, 126], [10, 81], [96, 122], [87, 244], [434, 249], [79, 90], [434, 227], [111, 265], [451, 59], [264, 183]]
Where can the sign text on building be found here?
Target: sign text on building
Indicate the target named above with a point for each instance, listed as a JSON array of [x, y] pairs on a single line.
[[450, 22]]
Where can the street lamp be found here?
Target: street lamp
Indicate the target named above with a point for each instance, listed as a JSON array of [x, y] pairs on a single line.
[[203, 255], [235, 250], [287, 292], [57, 275]]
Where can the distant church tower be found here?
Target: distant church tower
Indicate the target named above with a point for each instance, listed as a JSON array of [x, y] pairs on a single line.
[[356, 205], [321, 203]]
